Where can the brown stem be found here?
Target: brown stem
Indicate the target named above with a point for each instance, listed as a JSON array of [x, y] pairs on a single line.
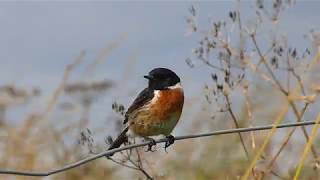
[[237, 126], [293, 106], [123, 164], [267, 66], [304, 130], [299, 81], [141, 169], [286, 140], [3, 110]]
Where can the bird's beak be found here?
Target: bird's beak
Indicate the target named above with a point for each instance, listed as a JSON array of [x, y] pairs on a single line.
[[148, 77]]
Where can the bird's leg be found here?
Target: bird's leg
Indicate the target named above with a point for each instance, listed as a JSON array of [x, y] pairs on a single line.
[[169, 142], [152, 143]]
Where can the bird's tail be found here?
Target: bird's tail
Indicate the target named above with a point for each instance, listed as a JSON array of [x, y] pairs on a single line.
[[122, 138]]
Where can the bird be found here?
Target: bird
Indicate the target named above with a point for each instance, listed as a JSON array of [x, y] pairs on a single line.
[[155, 111]]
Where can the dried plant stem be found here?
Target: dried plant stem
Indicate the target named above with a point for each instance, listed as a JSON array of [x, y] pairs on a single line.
[[123, 164], [237, 126], [3, 110], [305, 133], [262, 58], [293, 106], [206, 62], [132, 146], [250, 116], [307, 148], [139, 157], [139, 166], [288, 73], [278, 120], [299, 80], [69, 68], [273, 160]]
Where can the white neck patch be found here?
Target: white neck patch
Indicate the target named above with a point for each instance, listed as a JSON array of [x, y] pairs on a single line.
[[176, 86], [157, 92]]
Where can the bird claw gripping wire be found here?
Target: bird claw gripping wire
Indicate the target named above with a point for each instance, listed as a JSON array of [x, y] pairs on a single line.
[[152, 143], [169, 142]]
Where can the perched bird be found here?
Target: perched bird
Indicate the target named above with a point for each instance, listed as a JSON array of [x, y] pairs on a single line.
[[156, 110]]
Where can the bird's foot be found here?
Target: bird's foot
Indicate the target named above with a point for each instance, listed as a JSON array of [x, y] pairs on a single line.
[[152, 143], [169, 142]]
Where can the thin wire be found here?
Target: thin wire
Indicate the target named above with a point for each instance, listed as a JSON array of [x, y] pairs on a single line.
[[110, 152]]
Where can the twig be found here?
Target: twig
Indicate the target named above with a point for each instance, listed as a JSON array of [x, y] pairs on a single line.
[[138, 165], [69, 68], [299, 81], [307, 148], [269, 166], [123, 164], [305, 133], [211, 65], [292, 104], [266, 141], [177, 138], [237, 126], [140, 168], [262, 58]]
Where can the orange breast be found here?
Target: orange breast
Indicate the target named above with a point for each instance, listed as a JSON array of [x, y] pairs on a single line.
[[169, 102], [161, 116]]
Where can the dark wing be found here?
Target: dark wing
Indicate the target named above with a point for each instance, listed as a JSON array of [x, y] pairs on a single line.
[[122, 138], [144, 97]]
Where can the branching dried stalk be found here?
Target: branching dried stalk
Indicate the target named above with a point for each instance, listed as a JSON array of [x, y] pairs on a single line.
[[232, 59], [237, 126]]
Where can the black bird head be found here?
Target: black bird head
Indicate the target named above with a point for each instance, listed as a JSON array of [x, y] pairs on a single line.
[[162, 78]]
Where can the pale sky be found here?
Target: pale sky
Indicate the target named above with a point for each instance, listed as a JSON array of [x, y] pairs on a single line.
[[37, 39]]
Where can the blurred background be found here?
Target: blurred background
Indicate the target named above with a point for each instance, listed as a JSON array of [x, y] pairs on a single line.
[[70, 69]]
